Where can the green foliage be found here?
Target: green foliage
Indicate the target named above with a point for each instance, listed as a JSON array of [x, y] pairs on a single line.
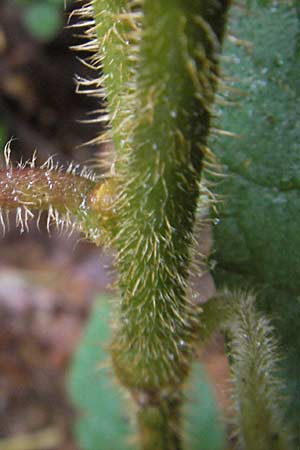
[[103, 421], [263, 163], [203, 427], [43, 19], [258, 239]]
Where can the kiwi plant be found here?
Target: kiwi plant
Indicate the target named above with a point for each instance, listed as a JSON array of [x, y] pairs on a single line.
[[156, 66]]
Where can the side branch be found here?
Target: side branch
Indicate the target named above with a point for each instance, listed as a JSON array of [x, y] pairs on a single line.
[[72, 198]]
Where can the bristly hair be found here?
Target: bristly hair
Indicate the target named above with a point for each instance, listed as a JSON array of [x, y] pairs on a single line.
[[64, 193], [258, 389], [103, 25]]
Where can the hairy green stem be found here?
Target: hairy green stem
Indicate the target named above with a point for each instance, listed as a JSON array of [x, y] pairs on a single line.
[[38, 188], [159, 178], [160, 70], [160, 64], [159, 421], [255, 362], [72, 198]]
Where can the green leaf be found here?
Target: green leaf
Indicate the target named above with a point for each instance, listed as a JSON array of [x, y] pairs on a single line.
[[102, 422], [43, 20], [257, 238], [203, 427]]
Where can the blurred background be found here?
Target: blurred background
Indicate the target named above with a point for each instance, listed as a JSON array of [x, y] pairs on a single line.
[[47, 284]]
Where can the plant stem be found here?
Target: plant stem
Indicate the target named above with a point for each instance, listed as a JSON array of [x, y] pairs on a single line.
[[72, 198], [255, 363], [38, 188], [159, 421], [160, 64], [112, 38], [159, 178]]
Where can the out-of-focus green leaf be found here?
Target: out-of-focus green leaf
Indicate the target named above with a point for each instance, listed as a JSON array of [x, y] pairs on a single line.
[[203, 427], [59, 2], [43, 19], [258, 238], [54, 2], [103, 420]]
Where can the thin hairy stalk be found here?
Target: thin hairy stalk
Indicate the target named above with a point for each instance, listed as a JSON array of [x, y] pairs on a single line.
[[72, 198], [255, 362]]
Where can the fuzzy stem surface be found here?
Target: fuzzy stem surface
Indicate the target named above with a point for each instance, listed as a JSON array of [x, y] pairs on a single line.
[[255, 362], [160, 65], [38, 188], [159, 422], [159, 181], [70, 199], [117, 27]]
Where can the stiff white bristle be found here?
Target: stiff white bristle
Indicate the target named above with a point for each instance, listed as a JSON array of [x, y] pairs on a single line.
[[29, 210], [7, 154]]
